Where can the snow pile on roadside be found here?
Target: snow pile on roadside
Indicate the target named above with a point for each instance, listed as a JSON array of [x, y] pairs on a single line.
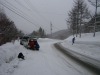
[[86, 45], [86, 37], [8, 53]]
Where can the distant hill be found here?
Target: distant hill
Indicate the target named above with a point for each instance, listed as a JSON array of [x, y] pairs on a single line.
[[62, 34]]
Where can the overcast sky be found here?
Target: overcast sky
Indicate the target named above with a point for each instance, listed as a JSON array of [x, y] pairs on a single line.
[[39, 13]]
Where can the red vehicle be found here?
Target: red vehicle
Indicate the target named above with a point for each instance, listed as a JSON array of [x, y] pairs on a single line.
[[33, 44]]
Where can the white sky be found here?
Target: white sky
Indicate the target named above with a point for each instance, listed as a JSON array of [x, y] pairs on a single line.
[[40, 13]]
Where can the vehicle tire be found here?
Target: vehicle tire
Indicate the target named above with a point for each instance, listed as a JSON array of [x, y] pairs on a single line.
[[21, 43], [37, 49]]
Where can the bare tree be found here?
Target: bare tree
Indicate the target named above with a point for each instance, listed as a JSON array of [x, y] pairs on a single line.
[[7, 28], [96, 4]]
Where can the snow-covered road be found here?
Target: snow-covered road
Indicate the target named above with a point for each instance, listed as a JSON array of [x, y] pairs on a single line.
[[48, 61]]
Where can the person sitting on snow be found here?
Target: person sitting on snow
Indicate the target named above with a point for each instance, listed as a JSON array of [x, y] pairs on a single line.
[[20, 55]]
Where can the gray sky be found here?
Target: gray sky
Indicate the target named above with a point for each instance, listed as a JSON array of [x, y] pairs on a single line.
[[39, 13]]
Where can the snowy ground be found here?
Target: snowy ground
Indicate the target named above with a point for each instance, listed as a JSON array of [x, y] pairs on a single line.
[[48, 60], [87, 45]]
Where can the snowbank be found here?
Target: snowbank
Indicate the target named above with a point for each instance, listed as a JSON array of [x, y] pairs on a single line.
[[87, 37], [86, 45], [8, 53]]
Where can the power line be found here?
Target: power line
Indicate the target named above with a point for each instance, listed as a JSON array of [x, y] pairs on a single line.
[[18, 9], [24, 8], [31, 6], [11, 9], [27, 8], [34, 10], [21, 4], [17, 13]]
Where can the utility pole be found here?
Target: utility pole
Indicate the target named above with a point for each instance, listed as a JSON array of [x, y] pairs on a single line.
[[51, 28], [95, 19]]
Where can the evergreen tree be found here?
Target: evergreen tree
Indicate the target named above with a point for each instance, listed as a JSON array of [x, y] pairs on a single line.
[[41, 32], [78, 16]]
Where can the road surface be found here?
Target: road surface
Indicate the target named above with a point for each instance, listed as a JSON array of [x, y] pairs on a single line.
[[48, 61]]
